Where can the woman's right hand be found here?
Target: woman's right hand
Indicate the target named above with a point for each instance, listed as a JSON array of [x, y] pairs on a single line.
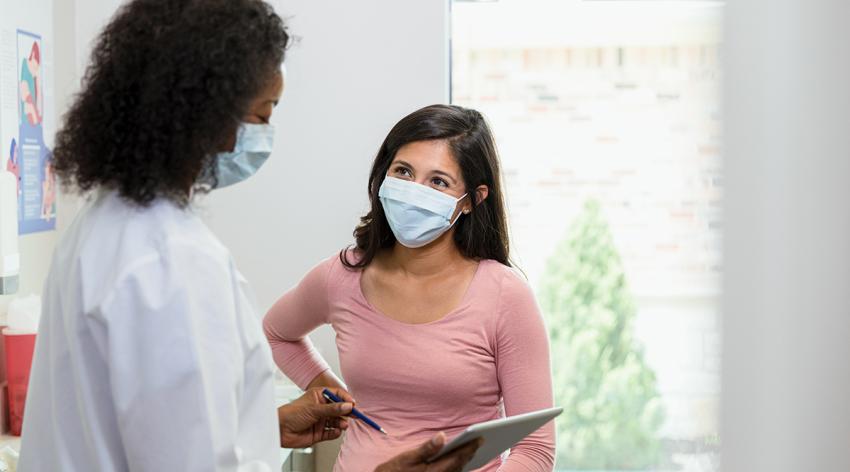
[[414, 460]]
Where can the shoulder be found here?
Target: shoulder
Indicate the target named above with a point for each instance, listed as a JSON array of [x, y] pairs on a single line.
[[510, 282], [514, 303], [332, 270], [114, 240], [340, 264]]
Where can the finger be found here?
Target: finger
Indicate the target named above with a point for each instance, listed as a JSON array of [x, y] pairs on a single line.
[[331, 410], [346, 397], [343, 424], [433, 446], [466, 453], [455, 461], [472, 445], [452, 463], [329, 434], [418, 456], [449, 464]]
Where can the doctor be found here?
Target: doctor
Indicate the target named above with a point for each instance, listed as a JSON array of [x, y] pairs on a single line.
[[150, 355]]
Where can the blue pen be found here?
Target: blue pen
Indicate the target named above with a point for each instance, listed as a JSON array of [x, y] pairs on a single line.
[[329, 396]]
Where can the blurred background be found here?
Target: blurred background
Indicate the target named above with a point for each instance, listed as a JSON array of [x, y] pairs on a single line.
[[677, 183]]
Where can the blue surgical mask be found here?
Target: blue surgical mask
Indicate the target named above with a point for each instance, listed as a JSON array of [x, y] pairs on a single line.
[[417, 214], [253, 147]]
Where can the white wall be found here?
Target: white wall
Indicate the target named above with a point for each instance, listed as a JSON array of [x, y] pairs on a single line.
[[357, 69], [36, 249], [786, 379], [89, 17]]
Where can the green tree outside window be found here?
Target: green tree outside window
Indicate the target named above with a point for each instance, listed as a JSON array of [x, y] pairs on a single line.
[[612, 408]]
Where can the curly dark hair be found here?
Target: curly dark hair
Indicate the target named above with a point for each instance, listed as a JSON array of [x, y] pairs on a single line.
[[168, 84]]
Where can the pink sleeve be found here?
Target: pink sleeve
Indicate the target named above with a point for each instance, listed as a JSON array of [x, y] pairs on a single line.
[[287, 324], [523, 368]]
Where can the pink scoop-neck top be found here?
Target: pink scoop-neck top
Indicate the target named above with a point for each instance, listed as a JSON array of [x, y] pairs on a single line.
[[487, 358]]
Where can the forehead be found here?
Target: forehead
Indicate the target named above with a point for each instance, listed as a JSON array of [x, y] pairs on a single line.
[[273, 90], [278, 83], [428, 155]]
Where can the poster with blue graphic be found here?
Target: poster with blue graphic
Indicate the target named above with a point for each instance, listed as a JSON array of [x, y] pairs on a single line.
[[27, 111], [29, 157]]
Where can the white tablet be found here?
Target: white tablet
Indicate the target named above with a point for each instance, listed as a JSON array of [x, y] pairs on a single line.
[[499, 435]]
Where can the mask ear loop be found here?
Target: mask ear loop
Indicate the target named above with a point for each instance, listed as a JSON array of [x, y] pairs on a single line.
[[460, 212]]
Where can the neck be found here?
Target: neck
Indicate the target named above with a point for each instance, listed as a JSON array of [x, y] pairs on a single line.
[[430, 260]]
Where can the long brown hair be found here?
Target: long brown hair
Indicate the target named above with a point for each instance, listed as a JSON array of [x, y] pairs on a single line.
[[481, 234]]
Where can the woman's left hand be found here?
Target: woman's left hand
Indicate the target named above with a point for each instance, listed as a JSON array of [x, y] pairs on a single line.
[[309, 419]]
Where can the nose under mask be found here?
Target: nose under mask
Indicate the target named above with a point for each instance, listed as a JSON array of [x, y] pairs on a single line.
[[417, 214], [253, 147]]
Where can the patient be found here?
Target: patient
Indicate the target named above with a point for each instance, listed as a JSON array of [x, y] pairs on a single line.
[[435, 330]]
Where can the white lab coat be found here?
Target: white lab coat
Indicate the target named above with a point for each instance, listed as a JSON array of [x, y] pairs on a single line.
[[150, 356]]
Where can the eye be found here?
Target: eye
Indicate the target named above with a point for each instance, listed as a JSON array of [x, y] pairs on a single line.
[[438, 182], [257, 119], [403, 172]]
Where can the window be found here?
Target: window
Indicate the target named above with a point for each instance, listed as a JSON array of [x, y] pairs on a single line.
[[607, 120]]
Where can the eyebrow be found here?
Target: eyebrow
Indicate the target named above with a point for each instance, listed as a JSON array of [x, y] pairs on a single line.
[[438, 172]]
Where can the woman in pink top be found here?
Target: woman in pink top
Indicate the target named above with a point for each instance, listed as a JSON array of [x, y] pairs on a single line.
[[434, 328]]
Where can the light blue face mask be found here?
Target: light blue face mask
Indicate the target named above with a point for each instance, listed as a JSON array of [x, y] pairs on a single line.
[[417, 214], [253, 147]]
